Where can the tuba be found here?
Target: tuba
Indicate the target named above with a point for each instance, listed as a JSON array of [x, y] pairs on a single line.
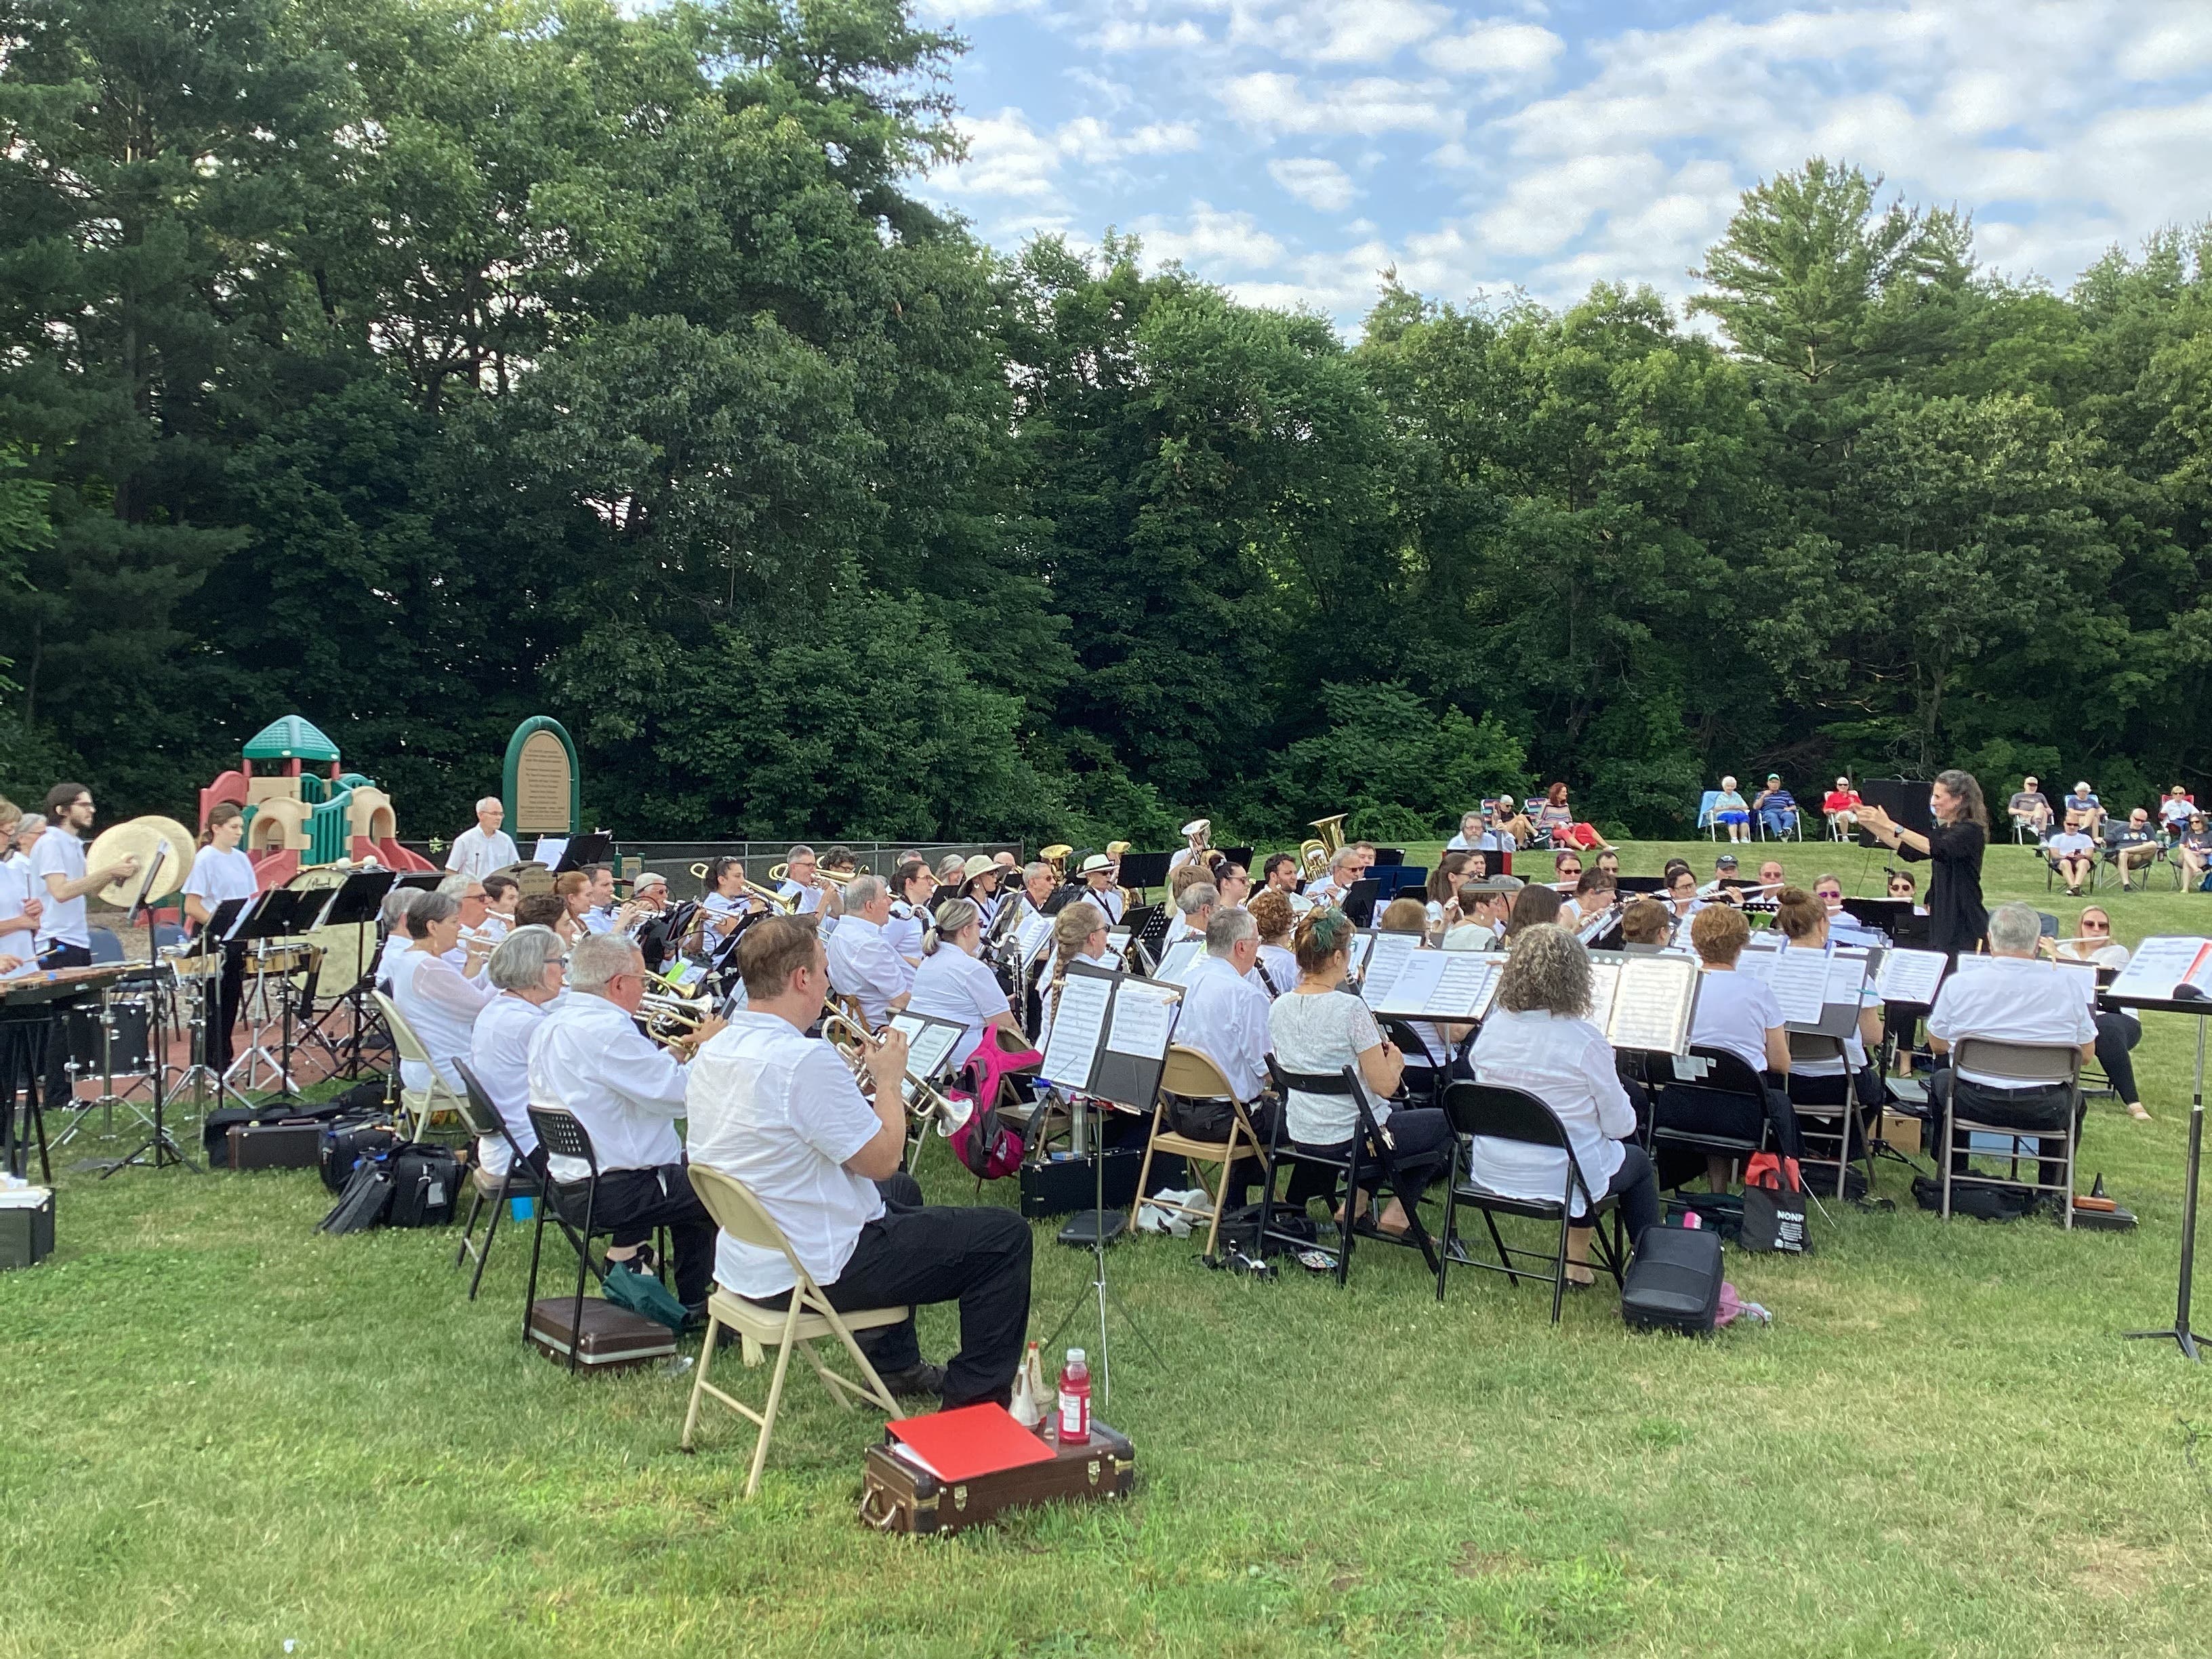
[[1315, 853]]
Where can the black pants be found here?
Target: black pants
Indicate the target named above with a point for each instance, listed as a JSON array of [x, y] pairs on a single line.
[[230, 992], [1732, 1117], [914, 1253], [1637, 1185], [2117, 1033], [631, 1203], [2012, 1108], [1211, 1119], [59, 1089], [1419, 1137]]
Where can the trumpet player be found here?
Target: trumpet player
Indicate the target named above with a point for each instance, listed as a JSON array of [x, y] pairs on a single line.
[[588, 1058], [863, 964]]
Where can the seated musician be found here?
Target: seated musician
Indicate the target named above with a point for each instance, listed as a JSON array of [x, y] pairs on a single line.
[[2073, 856], [1737, 1014], [485, 847], [526, 972], [548, 910], [838, 861], [1844, 928], [727, 900], [1646, 921], [1771, 880], [2016, 999], [779, 1111], [1484, 905], [391, 916], [502, 894], [1407, 914], [863, 964], [432, 994], [1539, 1039], [980, 885], [1097, 873], [1039, 882], [1469, 838], [1534, 905], [1721, 888], [1279, 874], [1233, 883], [2118, 1029], [574, 890], [1682, 895], [1566, 871], [1079, 934], [1225, 1016], [1343, 872], [1317, 1032], [1442, 892], [1196, 904], [221, 872], [1802, 922], [1275, 968], [473, 946], [597, 915], [587, 1058], [1196, 834], [1902, 886], [1595, 895], [955, 983], [802, 881], [914, 897], [648, 897]]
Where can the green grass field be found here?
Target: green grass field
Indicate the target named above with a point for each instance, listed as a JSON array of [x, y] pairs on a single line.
[[225, 1434]]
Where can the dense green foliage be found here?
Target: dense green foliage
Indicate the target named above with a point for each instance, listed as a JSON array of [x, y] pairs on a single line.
[[418, 365]]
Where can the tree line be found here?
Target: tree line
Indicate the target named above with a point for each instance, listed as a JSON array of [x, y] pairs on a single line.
[[421, 365]]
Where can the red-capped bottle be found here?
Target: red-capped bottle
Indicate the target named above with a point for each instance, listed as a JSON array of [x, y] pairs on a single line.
[[1074, 1421]]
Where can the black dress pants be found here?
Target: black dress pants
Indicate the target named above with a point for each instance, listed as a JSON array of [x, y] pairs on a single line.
[[632, 1202], [914, 1253], [2012, 1108]]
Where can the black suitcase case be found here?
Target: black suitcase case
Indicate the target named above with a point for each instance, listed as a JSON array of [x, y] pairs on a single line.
[[1674, 1282], [293, 1144], [614, 1339]]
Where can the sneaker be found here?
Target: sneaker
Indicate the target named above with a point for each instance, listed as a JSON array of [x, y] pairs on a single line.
[[915, 1380]]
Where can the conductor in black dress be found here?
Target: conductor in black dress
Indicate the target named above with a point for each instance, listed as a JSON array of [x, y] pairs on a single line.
[[1956, 917]]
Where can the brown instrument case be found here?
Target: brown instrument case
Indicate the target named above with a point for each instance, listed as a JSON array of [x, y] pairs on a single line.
[[896, 1496]]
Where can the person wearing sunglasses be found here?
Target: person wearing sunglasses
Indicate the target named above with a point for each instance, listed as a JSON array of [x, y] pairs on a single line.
[[1901, 886], [2118, 1028]]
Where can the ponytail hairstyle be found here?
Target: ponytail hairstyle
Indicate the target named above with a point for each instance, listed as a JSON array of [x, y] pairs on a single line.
[[952, 916], [222, 813], [1075, 923]]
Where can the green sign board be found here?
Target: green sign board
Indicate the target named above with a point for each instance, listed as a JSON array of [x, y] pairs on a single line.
[[541, 786]]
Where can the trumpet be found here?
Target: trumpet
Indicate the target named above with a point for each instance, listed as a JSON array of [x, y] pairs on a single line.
[[769, 897], [671, 1018], [855, 1043]]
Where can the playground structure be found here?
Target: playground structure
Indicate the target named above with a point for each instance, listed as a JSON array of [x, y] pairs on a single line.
[[295, 820]]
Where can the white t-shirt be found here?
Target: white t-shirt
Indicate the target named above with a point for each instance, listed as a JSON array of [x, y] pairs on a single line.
[[778, 1110], [498, 1053], [952, 985], [475, 853], [1225, 1017], [59, 853], [1734, 1012], [14, 890], [2013, 1000], [1316, 1034], [2069, 844], [1568, 1064], [218, 875]]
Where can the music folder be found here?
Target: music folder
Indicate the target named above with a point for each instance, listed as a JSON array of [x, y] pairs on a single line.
[[1643, 1001], [221, 922], [1111, 1035], [1377, 960], [930, 1043]]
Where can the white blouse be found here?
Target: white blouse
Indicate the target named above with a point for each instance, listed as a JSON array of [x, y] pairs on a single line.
[[1319, 1033], [1568, 1064], [952, 985], [443, 1008]]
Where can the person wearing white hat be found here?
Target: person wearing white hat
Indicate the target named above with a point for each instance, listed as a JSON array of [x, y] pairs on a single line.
[[1097, 874], [1196, 832], [2083, 807]]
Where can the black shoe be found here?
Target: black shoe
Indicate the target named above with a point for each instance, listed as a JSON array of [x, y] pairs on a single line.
[[916, 1381]]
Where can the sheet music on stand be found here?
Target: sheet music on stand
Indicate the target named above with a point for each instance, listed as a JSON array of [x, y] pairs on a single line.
[[1454, 985], [1183, 955], [930, 1043], [1111, 1035], [1911, 977], [1645, 1002], [1358, 947], [1972, 967], [1032, 936], [1386, 958], [2161, 965]]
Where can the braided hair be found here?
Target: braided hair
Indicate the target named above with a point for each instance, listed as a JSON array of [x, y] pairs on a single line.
[[1075, 923]]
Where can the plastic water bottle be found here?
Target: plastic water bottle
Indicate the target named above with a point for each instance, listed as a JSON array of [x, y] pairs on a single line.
[[1074, 1401]]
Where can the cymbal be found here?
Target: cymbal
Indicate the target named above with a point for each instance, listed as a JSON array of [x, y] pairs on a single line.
[[147, 838]]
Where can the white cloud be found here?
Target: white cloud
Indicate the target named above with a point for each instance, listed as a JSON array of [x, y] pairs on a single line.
[[1319, 183], [1124, 35], [1008, 157], [1207, 238], [1503, 54], [1372, 105]]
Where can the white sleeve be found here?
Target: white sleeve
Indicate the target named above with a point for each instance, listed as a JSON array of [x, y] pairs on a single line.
[[644, 1074], [453, 853], [828, 1109], [1616, 1116], [437, 983]]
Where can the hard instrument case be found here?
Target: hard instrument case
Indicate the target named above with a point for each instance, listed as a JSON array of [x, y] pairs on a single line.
[[614, 1339], [897, 1497]]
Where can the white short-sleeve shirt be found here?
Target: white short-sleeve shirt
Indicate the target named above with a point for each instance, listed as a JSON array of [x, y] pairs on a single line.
[[1734, 1012], [475, 853], [1568, 1064], [218, 875], [1322, 1033], [1225, 1017], [59, 853], [952, 985], [2013, 1000]]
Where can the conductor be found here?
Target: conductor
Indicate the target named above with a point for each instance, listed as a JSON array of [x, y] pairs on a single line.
[[1956, 916]]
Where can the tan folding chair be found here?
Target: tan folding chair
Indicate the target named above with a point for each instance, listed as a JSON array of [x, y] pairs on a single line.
[[810, 1316], [1192, 1075], [2024, 1062], [422, 1106]]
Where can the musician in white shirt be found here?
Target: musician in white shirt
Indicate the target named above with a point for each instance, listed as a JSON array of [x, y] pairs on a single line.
[[1276, 968], [526, 971], [1738, 1015], [1196, 904], [2013, 999], [777, 1110], [392, 915], [980, 877], [1281, 874], [19, 905], [863, 964], [1038, 881], [597, 915], [222, 872], [802, 880], [1539, 1039], [487, 848], [726, 899], [502, 894], [472, 944], [587, 1058], [1469, 839], [58, 867], [953, 983], [1802, 922], [1225, 1011], [1195, 834], [1097, 874], [1343, 870], [1484, 905], [1079, 934], [432, 995], [914, 896]]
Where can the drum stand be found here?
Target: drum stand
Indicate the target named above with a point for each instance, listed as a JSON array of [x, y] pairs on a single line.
[[199, 1075], [257, 1053], [108, 1099], [160, 1149]]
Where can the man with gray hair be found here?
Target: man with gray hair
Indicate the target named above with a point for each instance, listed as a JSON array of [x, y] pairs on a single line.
[[864, 964], [525, 969], [1343, 870], [469, 955], [487, 848], [588, 1058], [802, 880], [1198, 903], [2010, 996], [1224, 1017]]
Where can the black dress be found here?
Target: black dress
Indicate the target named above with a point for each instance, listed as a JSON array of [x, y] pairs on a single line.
[[1956, 917]]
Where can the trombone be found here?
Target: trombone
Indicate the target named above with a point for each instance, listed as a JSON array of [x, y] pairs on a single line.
[[855, 1043], [767, 895]]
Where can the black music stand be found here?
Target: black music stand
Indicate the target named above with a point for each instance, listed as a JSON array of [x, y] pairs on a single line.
[[1241, 856], [1905, 800], [1142, 871], [2181, 1332], [583, 850], [354, 902], [272, 913], [160, 1149], [1359, 901], [1898, 918]]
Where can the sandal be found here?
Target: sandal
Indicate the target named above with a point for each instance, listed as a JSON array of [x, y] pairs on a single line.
[[2136, 1111]]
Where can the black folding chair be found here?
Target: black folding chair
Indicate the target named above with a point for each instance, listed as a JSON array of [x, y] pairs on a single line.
[[1503, 1113], [1851, 1117], [521, 1181], [1371, 1146], [562, 1136], [1713, 1075], [1423, 1082]]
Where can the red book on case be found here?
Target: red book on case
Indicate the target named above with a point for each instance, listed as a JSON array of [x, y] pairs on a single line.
[[968, 1442]]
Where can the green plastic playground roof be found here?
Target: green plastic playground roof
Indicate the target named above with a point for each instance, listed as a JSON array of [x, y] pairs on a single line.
[[290, 738]]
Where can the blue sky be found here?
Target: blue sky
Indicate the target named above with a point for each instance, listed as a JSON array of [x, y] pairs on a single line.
[[1292, 150]]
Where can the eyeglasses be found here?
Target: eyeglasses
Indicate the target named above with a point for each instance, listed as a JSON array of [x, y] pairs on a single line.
[[2096, 926]]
